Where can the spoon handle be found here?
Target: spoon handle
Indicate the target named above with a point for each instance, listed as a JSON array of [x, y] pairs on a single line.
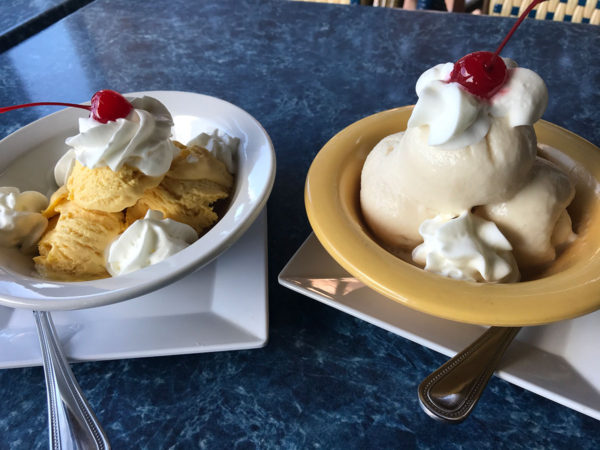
[[452, 391], [72, 423]]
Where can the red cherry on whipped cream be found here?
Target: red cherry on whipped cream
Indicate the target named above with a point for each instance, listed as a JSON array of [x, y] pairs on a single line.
[[106, 106], [484, 73], [109, 105], [476, 73]]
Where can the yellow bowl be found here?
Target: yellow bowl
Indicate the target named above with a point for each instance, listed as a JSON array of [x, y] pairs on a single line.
[[570, 287]]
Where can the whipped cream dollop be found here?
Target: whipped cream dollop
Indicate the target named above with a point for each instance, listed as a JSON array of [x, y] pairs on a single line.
[[220, 145], [457, 118], [140, 140], [148, 241], [466, 247], [64, 167], [21, 221]]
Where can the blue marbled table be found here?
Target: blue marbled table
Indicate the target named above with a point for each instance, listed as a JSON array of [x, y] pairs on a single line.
[[20, 19], [305, 71]]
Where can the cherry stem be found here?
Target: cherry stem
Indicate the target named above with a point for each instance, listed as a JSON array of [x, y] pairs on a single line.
[[521, 18], [27, 105]]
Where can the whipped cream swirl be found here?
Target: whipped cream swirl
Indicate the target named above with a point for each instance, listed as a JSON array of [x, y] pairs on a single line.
[[140, 140], [457, 118], [220, 145], [21, 221], [148, 241], [64, 167], [466, 247]]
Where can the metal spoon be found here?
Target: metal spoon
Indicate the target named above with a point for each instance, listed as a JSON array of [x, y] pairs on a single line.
[[72, 423], [452, 391]]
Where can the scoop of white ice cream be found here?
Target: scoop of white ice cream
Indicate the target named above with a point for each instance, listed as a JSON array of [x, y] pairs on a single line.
[[405, 181], [466, 247], [21, 221], [535, 220], [146, 242], [140, 140]]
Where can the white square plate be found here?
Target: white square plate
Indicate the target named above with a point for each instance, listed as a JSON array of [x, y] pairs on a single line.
[[558, 361], [222, 306]]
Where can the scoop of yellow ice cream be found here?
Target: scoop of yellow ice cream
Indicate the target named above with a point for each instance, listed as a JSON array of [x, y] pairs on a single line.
[[103, 189], [59, 197], [195, 181], [73, 247]]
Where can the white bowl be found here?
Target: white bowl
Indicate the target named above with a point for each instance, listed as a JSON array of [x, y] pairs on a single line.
[[27, 159]]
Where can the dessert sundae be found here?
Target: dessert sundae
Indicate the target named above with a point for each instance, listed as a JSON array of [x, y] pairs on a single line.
[[464, 190], [128, 195]]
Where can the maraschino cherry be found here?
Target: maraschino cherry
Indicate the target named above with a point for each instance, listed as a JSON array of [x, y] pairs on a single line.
[[106, 105], [109, 105], [479, 74], [484, 73]]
